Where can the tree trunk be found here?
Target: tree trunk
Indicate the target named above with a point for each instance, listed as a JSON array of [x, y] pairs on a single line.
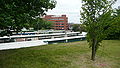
[[93, 53], [17, 30], [93, 49]]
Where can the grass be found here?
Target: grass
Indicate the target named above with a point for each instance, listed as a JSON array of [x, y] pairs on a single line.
[[62, 55]]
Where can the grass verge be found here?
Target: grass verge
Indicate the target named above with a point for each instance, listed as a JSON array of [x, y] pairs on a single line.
[[62, 55]]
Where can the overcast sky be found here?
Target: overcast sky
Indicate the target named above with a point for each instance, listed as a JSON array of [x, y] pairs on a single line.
[[71, 8]]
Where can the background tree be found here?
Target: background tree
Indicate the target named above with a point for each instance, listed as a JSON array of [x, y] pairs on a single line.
[[96, 15], [21, 13], [78, 27], [115, 28], [42, 24], [47, 24]]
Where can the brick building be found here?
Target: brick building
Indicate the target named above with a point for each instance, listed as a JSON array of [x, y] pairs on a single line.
[[60, 21]]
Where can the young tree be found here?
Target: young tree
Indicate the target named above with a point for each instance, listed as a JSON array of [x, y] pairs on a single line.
[[96, 15], [21, 13]]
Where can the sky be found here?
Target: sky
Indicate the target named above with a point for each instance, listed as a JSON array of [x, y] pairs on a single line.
[[71, 8]]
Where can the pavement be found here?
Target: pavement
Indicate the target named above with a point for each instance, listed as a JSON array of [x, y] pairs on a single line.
[[23, 44]]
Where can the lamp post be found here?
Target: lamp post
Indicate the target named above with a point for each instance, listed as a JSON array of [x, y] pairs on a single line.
[[66, 35]]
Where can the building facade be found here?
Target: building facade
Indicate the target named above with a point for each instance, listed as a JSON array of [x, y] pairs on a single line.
[[60, 21]]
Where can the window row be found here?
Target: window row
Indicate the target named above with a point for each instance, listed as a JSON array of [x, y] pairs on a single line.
[[56, 19], [59, 26]]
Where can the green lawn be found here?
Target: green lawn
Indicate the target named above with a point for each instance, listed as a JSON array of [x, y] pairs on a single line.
[[62, 55]]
